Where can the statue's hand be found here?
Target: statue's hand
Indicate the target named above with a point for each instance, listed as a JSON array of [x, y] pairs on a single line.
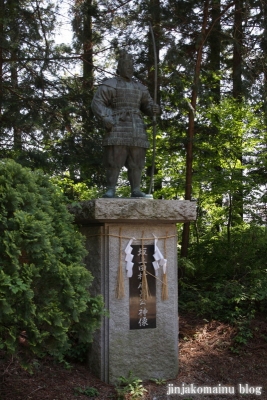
[[156, 109], [109, 123]]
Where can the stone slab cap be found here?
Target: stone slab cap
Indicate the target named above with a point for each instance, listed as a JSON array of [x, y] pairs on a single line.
[[133, 210]]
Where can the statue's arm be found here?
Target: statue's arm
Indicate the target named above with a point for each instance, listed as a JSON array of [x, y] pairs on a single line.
[[101, 105], [148, 107]]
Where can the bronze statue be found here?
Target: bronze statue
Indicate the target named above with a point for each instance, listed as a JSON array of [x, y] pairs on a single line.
[[119, 103]]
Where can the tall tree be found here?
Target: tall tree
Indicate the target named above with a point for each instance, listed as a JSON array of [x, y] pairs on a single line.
[[214, 56], [25, 50], [191, 125], [238, 49], [236, 199]]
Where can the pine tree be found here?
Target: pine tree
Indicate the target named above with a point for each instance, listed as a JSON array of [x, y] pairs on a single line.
[[25, 51]]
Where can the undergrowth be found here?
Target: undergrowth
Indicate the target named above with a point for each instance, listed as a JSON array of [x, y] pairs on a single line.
[[130, 387], [226, 280]]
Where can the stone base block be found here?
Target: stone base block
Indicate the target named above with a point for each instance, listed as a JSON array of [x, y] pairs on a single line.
[[149, 352]]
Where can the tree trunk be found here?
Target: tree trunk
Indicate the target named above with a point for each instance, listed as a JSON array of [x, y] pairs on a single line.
[[265, 62], [88, 80], [1, 52], [87, 48], [215, 49], [237, 50], [17, 132], [214, 41], [237, 199], [87, 85], [17, 136], [155, 13], [191, 127]]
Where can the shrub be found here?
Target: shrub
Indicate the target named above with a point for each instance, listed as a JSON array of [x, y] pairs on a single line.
[[43, 282], [227, 280]]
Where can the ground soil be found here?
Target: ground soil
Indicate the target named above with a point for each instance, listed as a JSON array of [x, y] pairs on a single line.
[[205, 359]]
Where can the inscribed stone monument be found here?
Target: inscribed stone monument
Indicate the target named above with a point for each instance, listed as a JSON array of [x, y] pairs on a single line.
[[139, 335]]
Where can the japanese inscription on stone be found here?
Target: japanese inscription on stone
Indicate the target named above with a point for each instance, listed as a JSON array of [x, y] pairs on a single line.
[[142, 312]]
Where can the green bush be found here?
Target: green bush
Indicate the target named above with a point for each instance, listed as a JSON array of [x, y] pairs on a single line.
[[227, 280], [43, 282], [78, 191]]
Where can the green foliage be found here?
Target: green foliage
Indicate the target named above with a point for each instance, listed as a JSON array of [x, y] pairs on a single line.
[[159, 381], [75, 191], [78, 350], [88, 391], [224, 157], [227, 280], [43, 283], [130, 385], [243, 335]]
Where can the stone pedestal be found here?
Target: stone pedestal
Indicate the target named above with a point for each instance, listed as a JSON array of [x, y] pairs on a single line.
[[117, 349]]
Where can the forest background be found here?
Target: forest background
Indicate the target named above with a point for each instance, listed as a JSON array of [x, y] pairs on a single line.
[[211, 136]]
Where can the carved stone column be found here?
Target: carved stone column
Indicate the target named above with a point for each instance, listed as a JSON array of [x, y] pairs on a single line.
[[142, 338]]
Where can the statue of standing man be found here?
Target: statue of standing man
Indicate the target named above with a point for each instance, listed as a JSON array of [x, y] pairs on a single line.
[[119, 103]]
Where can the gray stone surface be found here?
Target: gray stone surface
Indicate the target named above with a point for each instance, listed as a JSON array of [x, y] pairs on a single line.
[[148, 353], [97, 262], [137, 210]]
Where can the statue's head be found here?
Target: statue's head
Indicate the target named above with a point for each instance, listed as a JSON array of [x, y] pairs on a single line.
[[125, 65]]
